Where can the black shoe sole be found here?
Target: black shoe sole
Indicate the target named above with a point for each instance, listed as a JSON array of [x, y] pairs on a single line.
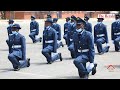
[[17, 69], [101, 53]]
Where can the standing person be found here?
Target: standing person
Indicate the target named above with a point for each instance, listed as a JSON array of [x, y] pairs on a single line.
[[84, 50], [88, 26], [101, 36], [115, 32], [34, 30], [17, 49], [57, 27], [9, 29], [66, 26], [50, 43]]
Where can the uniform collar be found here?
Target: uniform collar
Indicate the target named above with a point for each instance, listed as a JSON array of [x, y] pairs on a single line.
[[82, 31], [118, 20], [48, 27]]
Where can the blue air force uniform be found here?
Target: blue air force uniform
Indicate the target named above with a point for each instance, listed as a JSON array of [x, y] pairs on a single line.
[[101, 37], [115, 33], [70, 33], [57, 27], [34, 30], [50, 43], [17, 49], [88, 26], [84, 51], [66, 26], [9, 30]]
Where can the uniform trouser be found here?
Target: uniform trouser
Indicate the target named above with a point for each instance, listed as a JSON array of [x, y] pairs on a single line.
[[59, 43], [71, 49], [47, 52], [65, 37], [116, 44], [16, 61], [99, 43], [32, 36], [80, 63]]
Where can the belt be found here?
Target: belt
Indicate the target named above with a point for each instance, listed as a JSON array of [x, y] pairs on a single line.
[[84, 50], [117, 33], [50, 41], [100, 35], [10, 34], [33, 30], [16, 46], [71, 39]]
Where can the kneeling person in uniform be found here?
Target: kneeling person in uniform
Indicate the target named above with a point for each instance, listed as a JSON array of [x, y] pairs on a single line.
[[101, 37], [34, 30], [50, 43], [57, 27], [66, 26], [84, 50], [9, 29], [17, 49], [115, 32]]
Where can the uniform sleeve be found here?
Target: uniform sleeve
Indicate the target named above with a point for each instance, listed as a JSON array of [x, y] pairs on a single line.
[[91, 48], [68, 35], [30, 27], [37, 28], [10, 44], [75, 44], [64, 28], [8, 30], [95, 35], [59, 27], [106, 35], [90, 27], [23, 48], [43, 40], [55, 41], [112, 31]]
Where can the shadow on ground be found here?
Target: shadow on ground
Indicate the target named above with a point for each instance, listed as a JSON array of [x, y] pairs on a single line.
[[6, 70]]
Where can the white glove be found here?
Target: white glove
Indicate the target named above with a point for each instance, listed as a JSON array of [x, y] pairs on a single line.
[[107, 44], [90, 66]]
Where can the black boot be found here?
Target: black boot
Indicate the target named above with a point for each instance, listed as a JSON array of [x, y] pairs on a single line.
[[60, 56], [17, 68], [40, 39], [28, 60], [86, 76], [50, 62], [94, 69], [108, 49], [101, 53]]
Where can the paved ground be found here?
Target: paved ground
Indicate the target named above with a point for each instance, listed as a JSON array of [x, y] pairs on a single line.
[[58, 70]]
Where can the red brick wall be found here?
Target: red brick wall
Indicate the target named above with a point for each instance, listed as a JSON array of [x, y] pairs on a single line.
[[42, 15], [7, 14], [19, 15], [69, 14]]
